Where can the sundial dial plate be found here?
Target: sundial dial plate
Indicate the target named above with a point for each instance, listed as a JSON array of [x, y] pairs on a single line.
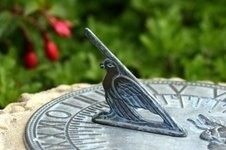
[[66, 122]]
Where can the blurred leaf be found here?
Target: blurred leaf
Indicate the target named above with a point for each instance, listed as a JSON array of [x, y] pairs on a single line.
[[31, 7], [7, 24], [58, 10]]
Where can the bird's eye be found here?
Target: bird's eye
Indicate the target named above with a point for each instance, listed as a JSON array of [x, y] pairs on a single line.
[[110, 65], [208, 132]]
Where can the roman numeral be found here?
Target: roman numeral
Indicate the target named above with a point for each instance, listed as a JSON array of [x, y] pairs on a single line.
[[219, 94], [178, 89]]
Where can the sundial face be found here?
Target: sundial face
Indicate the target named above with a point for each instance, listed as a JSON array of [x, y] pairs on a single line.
[[66, 122]]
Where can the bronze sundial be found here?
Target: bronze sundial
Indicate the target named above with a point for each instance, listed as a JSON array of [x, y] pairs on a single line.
[[125, 113]]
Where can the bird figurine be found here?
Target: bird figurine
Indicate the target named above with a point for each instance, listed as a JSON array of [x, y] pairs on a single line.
[[126, 96]]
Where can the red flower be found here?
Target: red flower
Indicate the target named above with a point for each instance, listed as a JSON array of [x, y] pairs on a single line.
[[51, 49], [62, 27], [31, 59]]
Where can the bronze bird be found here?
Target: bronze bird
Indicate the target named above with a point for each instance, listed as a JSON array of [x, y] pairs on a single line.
[[123, 95]]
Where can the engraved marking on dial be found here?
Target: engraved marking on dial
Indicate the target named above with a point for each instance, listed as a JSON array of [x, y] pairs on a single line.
[[224, 106], [58, 114], [83, 99], [53, 135], [52, 126], [152, 89], [87, 130], [178, 89], [198, 102], [216, 104], [161, 97], [182, 87], [219, 94], [100, 92], [71, 105], [94, 109], [89, 98], [59, 125]]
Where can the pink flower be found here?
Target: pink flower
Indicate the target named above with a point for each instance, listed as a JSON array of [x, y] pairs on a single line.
[[51, 49], [61, 27], [30, 59]]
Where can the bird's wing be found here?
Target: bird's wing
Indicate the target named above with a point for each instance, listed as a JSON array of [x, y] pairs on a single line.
[[132, 94]]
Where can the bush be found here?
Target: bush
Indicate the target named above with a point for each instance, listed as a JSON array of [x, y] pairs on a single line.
[[153, 38]]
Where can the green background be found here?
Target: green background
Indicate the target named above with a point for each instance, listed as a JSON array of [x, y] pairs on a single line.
[[153, 38]]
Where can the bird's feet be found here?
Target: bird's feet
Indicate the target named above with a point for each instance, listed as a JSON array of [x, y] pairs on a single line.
[[102, 115], [105, 116]]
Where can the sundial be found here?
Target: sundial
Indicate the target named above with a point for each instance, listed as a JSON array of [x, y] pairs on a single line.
[[125, 113]]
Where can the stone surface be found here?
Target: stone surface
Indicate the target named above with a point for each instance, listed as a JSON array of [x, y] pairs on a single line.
[[14, 117]]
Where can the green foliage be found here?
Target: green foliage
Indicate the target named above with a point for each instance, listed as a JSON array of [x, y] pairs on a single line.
[[154, 38]]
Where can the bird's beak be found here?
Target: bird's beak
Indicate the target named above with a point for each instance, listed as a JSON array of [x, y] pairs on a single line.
[[101, 65]]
